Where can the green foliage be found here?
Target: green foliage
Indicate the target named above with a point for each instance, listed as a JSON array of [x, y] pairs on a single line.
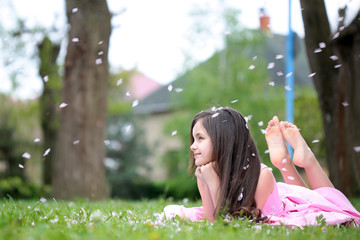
[[180, 187], [115, 219], [126, 149], [131, 186], [16, 135], [17, 188], [307, 117]]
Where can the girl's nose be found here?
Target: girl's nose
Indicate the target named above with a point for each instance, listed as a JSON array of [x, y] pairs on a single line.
[[193, 146]]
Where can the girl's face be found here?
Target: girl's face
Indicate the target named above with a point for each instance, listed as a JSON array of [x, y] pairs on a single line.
[[202, 145]]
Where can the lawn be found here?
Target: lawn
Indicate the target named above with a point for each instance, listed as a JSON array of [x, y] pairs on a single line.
[[120, 219]]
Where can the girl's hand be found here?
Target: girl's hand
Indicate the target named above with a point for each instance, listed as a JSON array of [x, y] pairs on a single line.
[[208, 174]]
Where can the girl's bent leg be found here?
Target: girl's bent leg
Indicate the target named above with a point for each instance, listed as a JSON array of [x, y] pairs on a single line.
[[279, 154], [304, 157]]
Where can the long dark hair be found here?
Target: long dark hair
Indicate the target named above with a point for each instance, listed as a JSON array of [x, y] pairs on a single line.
[[237, 161]]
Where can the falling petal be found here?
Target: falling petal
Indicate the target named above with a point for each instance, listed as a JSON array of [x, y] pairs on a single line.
[[101, 53], [284, 169], [37, 140], [46, 78], [74, 10], [76, 142], [272, 83], [267, 151], [261, 123], [170, 88], [240, 197], [106, 142], [128, 128], [279, 73], [178, 90], [173, 133], [234, 101], [289, 74], [284, 161], [42, 199], [334, 57], [254, 58], [248, 118], [337, 66], [279, 56], [75, 40], [253, 154], [322, 45], [312, 74], [317, 50], [119, 82], [287, 88], [127, 93], [336, 35], [291, 178], [101, 42], [315, 141], [215, 115], [135, 103], [46, 152], [345, 104], [270, 65], [26, 155], [251, 67], [357, 148], [98, 61], [21, 166], [241, 194], [263, 131], [62, 105]]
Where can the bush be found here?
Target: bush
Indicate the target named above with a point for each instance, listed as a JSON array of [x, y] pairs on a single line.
[[16, 188], [180, 187], [134, 188]]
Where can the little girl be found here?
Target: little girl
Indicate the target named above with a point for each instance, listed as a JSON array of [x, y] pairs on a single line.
[[232, 180]]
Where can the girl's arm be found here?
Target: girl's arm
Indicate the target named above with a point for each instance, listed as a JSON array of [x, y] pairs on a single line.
[[208, 205], [207, 175], [264, 187]]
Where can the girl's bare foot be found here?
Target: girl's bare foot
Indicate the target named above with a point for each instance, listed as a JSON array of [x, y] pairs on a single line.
[[303, 156], [279, 154]]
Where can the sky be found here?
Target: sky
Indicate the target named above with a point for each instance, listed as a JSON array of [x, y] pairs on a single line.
[[154, 36]]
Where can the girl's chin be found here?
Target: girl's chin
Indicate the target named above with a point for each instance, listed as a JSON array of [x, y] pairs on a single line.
[[200, 163]]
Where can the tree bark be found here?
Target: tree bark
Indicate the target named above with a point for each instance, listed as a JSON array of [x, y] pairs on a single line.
[[335, 88], [79, 169], [49, 101]]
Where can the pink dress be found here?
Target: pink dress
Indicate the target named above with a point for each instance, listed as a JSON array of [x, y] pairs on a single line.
[[292, 205]]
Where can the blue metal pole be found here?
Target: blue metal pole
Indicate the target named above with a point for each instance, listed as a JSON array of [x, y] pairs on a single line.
[[289, 88]]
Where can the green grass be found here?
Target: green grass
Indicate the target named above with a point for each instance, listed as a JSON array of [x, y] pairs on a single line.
[[118, 219]]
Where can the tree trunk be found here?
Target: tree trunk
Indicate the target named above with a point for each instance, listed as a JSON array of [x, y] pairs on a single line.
[[49, 101], [347, 48], [335, 89], [79, 169]]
